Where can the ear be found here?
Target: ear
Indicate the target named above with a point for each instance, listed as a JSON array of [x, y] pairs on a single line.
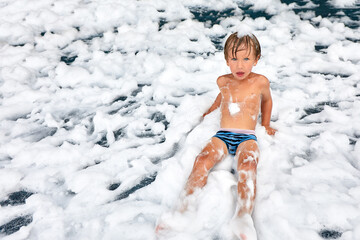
[[256, 61]]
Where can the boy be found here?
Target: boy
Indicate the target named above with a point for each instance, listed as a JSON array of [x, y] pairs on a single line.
[[242, 94]]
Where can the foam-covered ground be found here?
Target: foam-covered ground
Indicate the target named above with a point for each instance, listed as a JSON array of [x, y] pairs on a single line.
[[100, 108]]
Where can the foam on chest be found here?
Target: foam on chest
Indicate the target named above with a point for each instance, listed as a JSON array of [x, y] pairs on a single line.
[[234, 108]]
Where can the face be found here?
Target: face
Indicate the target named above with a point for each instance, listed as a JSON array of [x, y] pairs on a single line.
[[242, 63]]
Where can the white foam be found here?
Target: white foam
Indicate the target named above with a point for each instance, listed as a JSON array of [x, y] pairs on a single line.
[[344, 3], [243, 30], [234, 108]]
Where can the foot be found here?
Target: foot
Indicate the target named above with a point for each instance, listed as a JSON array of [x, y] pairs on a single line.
[[243, 236], [162, 230], [160, 227], [243, 227]]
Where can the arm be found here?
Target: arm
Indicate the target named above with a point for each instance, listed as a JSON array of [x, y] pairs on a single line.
[[221, 81], [266, 107], [215, 105]]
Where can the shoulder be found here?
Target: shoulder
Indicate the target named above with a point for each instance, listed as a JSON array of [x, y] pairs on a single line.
[[264, 86], [222, 80], [262, 81]]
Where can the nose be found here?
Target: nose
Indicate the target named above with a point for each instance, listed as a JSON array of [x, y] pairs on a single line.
[[240, 64]]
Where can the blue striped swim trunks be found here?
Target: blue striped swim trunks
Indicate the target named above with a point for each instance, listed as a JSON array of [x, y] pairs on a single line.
[[234, 137]]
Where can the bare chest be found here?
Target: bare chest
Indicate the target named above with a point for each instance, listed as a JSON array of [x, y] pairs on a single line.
[[240, 93]]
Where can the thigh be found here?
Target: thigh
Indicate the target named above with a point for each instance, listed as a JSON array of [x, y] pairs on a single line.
[[247, 155], [212, 153]]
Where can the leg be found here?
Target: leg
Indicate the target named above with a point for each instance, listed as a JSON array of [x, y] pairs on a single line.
[[213, 153], [242, 223], [247, 155]]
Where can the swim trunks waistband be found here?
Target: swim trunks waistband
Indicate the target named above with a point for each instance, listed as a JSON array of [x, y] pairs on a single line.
[[236, 130]]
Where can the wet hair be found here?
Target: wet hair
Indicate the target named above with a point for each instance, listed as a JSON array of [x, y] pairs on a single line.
[[249, 41]]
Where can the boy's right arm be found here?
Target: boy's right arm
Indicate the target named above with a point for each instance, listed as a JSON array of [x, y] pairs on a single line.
[[221, 81], [214, 106]]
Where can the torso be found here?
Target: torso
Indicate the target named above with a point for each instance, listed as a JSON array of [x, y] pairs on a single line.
[[240, 102]]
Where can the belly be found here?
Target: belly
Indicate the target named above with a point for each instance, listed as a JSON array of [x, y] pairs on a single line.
[[234, 115]]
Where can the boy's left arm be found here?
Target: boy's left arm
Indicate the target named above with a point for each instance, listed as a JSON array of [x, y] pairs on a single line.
[[266, 108]]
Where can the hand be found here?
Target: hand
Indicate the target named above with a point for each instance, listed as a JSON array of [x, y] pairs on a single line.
[[270, 130], [206, 113]]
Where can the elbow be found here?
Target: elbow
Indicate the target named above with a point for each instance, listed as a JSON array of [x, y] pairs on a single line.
[[266, 105]]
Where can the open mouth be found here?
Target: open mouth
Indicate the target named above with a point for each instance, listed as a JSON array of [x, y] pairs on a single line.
[[240, 74]]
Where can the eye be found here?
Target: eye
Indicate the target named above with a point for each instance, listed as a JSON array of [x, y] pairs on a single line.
[[246, 59], [233, 59]]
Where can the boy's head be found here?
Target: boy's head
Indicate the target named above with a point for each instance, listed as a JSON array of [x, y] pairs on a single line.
[[235, 43]]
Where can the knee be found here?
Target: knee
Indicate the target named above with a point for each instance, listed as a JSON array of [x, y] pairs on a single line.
[[247, 170], [242, 176], [245, 174]]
